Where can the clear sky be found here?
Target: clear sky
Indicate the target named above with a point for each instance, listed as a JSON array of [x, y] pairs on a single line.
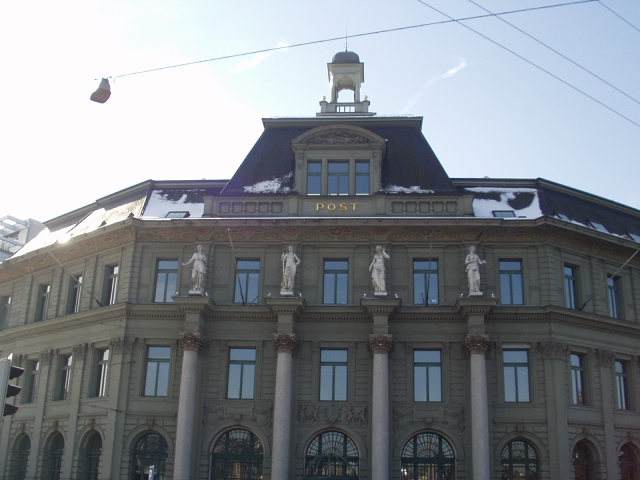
[[487, 112]]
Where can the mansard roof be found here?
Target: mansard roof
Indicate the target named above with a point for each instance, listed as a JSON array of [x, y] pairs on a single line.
[[409, 160]]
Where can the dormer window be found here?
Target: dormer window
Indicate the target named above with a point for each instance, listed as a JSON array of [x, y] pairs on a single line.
[[341, 160], [338, 177]]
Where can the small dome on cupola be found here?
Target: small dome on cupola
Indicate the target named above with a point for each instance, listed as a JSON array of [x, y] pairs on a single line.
[[346, 57]]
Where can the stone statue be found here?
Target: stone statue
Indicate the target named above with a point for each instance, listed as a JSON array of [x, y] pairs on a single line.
[[199, 270], [377, 270], [473, 262], [290, 263]]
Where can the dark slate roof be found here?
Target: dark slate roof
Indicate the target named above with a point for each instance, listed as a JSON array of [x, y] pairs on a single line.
[[346, 57], [409, 159]]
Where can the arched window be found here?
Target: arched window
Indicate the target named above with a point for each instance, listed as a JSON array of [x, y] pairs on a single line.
[[20, 455], [628, 463], [582, 462], [150, 450], [237, 455], [91, 457], [519, 461], [428, 456], [331, 455], [53, 458]]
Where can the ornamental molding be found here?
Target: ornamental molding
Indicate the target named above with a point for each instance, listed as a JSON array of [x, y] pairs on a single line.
[[286, 343], [80, 351], [477, 343], [605, 357], [122, 343], [338, 138], [381, 343], [554, 350], [192, 341], [46, 356], [333, 414]]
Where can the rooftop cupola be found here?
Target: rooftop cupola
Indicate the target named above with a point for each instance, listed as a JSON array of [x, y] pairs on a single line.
[[346, 72]]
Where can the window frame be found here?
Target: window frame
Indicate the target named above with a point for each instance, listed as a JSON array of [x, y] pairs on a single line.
[[244, 368], [5, 311], [525, 462], [31, 382], [101, 372], [323, 177], [151, 391], [170, 277], [111, 281], [339, 275], [65, 370], [571, 286], [429, 368], [578, 378], [614, 296], [512, 279], [514, 372], [329, 378], [247, 282], [75, 294], [427, 276], [622, 384], [42, 302]]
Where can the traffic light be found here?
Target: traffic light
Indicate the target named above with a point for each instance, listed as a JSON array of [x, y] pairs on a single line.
[[7, 373]]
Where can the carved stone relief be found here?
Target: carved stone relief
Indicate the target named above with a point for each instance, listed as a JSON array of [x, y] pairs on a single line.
[[351, 415]]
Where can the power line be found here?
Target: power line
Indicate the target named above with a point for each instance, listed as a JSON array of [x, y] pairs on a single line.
[[558, 53], [591, 97], [620, 16], [332, 39]]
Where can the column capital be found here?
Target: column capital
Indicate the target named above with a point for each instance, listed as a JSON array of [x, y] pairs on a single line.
[[477, 343], [284, 342], [191, 341], [554, 350], [381, 343]]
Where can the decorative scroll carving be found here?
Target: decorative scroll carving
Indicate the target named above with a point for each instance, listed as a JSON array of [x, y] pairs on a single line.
[[604, 357], [283, 342], [337, 138], [454, 417], [192, 341], [122, 343], [554, 350], [46, 356], [477, 343], [355, 416], [80, 351], [381, 343]]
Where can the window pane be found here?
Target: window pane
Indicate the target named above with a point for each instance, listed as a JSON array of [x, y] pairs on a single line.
[[326, 383], [338, 178], [427, 373], [336, 282], [340, 393], [314, 178], [511, 287], [233, 389], [425, 278], [420, 383], [362, 178]]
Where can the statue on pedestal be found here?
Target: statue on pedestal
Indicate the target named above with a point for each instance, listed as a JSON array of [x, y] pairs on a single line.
[[377, 270], [290, 263], [198, 272], [473, 262]]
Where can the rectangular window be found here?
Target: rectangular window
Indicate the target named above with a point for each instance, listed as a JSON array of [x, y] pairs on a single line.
[[613, 291], [31, 381], [314, 177], [242, 373], [336, 281], [42, 306], [425, 279], [578, 394], [571, 286], [516, 375], [75, 294], [511, 288], [338, 178], [427, 376], [110, 296], [64, 378], [247, 281], [622, 393], [157, 378], [166, 281], [363, 174], [333, 375], [5, 307], [101, 373]]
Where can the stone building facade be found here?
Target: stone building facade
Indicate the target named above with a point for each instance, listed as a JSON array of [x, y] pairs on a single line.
[[159, 337]]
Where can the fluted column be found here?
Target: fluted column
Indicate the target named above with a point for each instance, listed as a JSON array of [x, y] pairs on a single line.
[[284, 344], [381, 345], [480, 454], [190, 343]]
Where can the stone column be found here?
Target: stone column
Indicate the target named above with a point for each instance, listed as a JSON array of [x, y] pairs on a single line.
[[190, 343], [381, 345], [480, 453], [284, 344]]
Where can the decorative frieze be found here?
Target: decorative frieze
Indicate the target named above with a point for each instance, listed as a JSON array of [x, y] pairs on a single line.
[[477, 343], [283, 342], [192, 341], [355, 416], [122, 343], [605, 357], [80, 351], [381, 343], [554, 350]]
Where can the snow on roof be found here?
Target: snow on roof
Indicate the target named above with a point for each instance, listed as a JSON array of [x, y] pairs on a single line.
[[161, 202], [522, 201], [275, 185], [412, 189]]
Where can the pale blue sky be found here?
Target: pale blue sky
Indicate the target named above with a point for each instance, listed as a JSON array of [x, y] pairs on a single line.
[[486, 112]]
